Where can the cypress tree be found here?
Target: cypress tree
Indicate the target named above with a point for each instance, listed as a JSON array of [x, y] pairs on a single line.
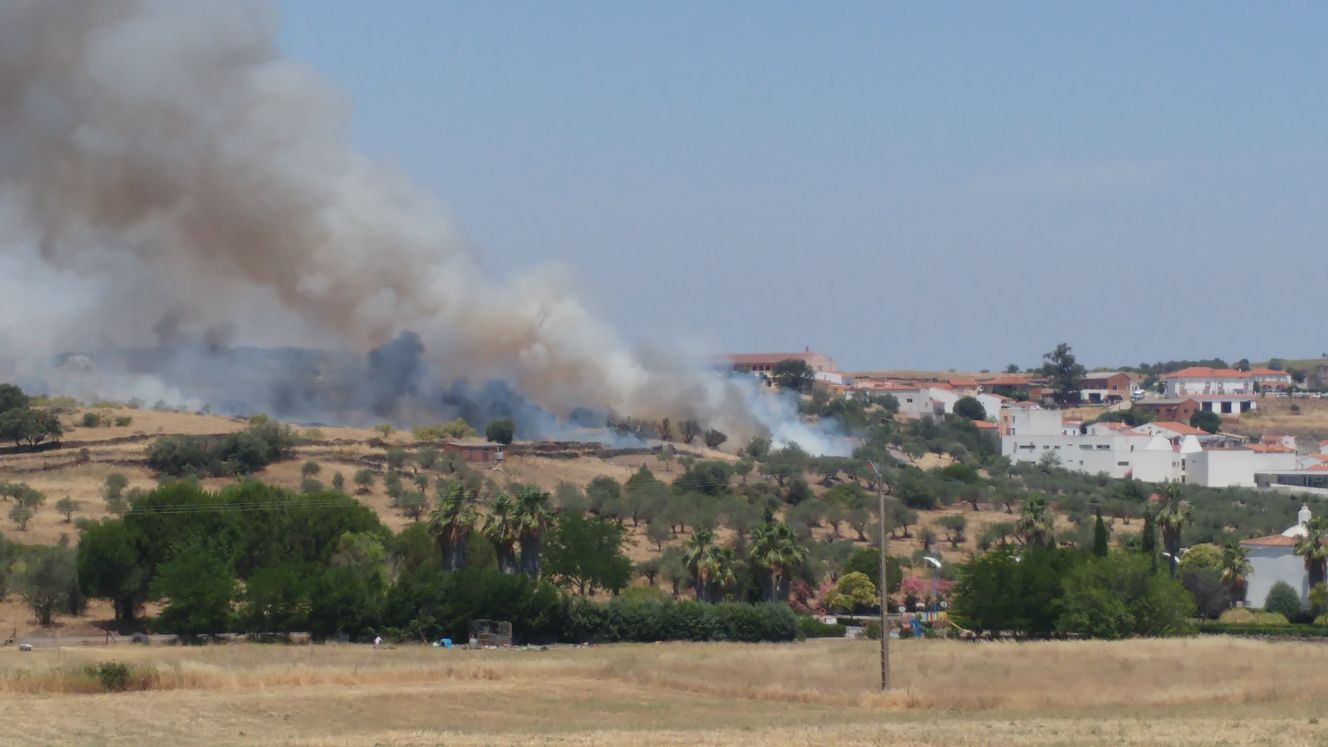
[[1100, 536], [1149, 539]]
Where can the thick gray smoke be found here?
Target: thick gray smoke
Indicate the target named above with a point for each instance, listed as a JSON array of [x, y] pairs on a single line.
[[167, 180]]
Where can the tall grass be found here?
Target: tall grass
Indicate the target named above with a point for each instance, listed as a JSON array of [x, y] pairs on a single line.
[[929, 675]]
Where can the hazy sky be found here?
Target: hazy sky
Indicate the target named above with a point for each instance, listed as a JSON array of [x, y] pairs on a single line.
[[923, 185]]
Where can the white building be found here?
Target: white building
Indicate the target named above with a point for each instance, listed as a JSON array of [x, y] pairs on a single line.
[[1220, 468], [1120, 455], [1195, 380], [1274, 559], [926, 400]]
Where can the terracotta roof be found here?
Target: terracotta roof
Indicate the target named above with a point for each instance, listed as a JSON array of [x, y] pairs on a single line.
[[750, 359], [1268, 448], [984, 425], [1203, 372], [1008, 380], [1318, 468], [1272, 540], [1181, 428], [1268, 372], [962, 382]]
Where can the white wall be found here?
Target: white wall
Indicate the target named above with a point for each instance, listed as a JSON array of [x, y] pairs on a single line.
[[1220, 468], [1115, 455], [1274, 462], [1030, 421], [992, 404], [1268, 565], [1185, 387]]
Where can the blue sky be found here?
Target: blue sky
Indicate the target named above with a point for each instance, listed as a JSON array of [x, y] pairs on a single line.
[[924, 185]]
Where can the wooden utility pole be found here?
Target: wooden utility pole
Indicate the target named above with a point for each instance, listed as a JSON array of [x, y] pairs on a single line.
[[885, 630]]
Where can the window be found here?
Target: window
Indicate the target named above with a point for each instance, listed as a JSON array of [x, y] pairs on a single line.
[[1118, 464]]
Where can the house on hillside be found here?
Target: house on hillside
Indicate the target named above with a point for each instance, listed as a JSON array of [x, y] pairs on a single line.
[[765, 362], [1106, 387], [1266, 379], [1227, 404], [1208, 381], [1273, 558], [1178, 409]]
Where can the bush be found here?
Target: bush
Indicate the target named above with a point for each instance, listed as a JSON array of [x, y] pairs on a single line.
[[811, 627], [1247, 616], [1121, 595], [113, 676], [1284, 599], [250, 450], [501, 431], [623, 620]]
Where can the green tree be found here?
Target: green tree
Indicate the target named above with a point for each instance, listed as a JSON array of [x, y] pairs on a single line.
[[971, 408], [1171, 517], [714, 438], [21, 515], [68, 507], [710, 566], [1065, 374], [500, 528], [532, 517], [110, 567], [46, 581], [689, 429], [451, 524], [867, 560], [1100, 536], [501, 431], [1235, 569], [12, 398], [364, 479], [1034, 526], [776, 553], [198, 588], [30, 426], [1120, 596], [854, 593], [794, 374], [1283, 599], [586, 554], [758, 448], [658, 532], [1207, 420], [338, 482], [1148, 538], [1313, 548], [276, 600], [785, 463]]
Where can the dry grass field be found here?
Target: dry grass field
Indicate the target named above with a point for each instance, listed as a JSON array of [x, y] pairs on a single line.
[[1182, 692]]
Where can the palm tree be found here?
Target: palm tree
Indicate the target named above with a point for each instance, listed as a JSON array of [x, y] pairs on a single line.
[[451, 524], [1172, 516], [1034, 526], [1314, 548], [500, 529], [1235, 569], [776, 550], [532, 517], [701, 561]]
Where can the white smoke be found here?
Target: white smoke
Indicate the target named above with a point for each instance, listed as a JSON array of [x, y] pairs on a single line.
[[162, 168]]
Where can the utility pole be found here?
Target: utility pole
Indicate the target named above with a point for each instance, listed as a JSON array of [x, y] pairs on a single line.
[[885, 630]]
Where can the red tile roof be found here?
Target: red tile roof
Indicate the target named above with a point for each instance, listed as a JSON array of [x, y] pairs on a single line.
[[1268, 448], [985, 425], [1181, 428], [1272, 540], [1268, 372], [1203, 372]]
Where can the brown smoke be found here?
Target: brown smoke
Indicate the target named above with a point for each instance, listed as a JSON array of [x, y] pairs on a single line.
[[161, 156]]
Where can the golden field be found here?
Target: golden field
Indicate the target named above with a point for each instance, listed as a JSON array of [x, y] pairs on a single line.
[[1192, 692]]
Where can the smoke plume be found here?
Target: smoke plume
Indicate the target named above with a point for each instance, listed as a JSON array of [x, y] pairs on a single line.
[[168, 182]]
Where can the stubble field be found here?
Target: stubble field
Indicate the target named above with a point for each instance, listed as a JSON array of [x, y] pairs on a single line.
[[1195, 691]]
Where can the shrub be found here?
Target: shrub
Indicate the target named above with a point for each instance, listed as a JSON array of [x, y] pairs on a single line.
[[1284, 599], [501, 431], [112, 675], [811, 627], [1247, 616], [250, 450]]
